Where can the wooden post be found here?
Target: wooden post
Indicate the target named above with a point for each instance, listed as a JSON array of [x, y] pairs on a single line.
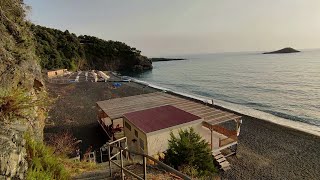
[[144, 167], [109, 154], [211, 140], [126, 146], [101, 155], [121, 160]]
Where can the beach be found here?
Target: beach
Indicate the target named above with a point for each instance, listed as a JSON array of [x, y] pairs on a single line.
[[265, 151]]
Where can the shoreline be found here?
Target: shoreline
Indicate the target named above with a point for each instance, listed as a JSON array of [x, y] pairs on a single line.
[[266, 150], [242, 110]]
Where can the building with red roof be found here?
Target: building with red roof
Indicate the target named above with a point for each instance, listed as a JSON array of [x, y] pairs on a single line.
[[148, 130]]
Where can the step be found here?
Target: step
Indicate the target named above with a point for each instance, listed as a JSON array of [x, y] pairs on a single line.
[[219, 156], [215, 153], [221, 160], [225, 164], [226, 168]]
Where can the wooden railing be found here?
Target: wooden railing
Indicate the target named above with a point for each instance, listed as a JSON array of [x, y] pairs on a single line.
[[145, 157], [224, 131], [228, 140]]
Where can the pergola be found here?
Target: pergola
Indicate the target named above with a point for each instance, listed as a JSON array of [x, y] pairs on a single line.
[[212, 116]]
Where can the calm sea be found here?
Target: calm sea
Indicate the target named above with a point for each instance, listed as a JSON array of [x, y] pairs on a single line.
[[285, 85]]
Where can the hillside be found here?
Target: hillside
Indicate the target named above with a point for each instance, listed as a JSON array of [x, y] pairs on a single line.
[[58, 49], [20, 88], [283, 51]]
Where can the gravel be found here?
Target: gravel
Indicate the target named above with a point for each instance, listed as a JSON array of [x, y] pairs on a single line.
[[265, 151], [270, 151]]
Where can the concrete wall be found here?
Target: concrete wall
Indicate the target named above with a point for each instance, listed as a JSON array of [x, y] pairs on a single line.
[[158, 140], [55, 73], [130, 134]]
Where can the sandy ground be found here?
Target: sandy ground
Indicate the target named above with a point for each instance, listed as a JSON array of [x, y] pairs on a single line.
[[75, 109], [265, 151]]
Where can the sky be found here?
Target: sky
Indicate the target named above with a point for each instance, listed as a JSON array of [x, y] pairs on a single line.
[[177, 27]]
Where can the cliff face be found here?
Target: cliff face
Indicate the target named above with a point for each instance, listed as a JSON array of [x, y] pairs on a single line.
[[19, 69]]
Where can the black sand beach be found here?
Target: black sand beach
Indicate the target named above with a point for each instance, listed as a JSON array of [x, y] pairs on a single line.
[[265, 151]]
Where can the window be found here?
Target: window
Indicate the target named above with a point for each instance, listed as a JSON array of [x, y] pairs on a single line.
[[136, 133], [127, 125], [141, 144]]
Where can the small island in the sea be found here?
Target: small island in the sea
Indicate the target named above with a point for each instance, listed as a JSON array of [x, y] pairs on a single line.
[[166, 59], [283, 51]]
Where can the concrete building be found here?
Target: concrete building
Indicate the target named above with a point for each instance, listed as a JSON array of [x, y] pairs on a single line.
[[148, 130], [56, 73], [146, 120]]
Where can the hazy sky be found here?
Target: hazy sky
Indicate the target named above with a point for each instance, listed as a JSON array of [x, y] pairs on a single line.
[[172, 27]]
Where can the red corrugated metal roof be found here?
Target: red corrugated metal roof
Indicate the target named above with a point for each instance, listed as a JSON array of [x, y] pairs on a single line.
[[162, 117]]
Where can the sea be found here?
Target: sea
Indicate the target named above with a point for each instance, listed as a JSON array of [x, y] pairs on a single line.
[[284, 85]]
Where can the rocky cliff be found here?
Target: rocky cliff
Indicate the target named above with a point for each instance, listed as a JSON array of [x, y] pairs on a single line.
[[19, 72]]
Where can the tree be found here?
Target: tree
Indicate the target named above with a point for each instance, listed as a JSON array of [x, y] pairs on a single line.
[[189, 150]]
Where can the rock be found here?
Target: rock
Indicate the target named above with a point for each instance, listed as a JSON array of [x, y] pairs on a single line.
[[19, 68], [167, 59], [13, 163], [283, 51]]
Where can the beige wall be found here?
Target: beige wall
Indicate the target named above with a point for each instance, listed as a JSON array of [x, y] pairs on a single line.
[[55, 73], [158, 140], [130, 134]]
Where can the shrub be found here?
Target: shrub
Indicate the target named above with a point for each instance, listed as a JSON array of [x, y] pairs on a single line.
[[43, 163], [50, 162], [189, 152], [63, 143], [19, 104]]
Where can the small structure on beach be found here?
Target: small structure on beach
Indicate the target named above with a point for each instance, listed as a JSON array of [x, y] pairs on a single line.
[[147, 118], [56, 73], [148, 130]]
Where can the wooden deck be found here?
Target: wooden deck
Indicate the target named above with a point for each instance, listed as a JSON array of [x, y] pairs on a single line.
[[115, 108]]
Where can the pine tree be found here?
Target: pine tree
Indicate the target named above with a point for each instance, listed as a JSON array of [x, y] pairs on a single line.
[[189, 150]]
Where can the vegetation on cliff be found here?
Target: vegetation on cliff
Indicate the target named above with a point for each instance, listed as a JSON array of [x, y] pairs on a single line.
[[20, 89], [113, 55], [58, 49], [23, 103]]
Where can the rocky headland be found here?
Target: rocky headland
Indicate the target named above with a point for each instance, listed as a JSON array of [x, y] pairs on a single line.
[[283, 51]]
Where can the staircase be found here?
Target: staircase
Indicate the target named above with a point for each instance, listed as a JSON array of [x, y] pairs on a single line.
[[95, 175], [102, 172], [221, 160]]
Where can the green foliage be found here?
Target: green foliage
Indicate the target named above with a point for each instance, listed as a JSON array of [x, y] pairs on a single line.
[[43, 163], [51, 161], [58, 49], [17, 52], [19, 104], [112, 55], [190, 153]]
